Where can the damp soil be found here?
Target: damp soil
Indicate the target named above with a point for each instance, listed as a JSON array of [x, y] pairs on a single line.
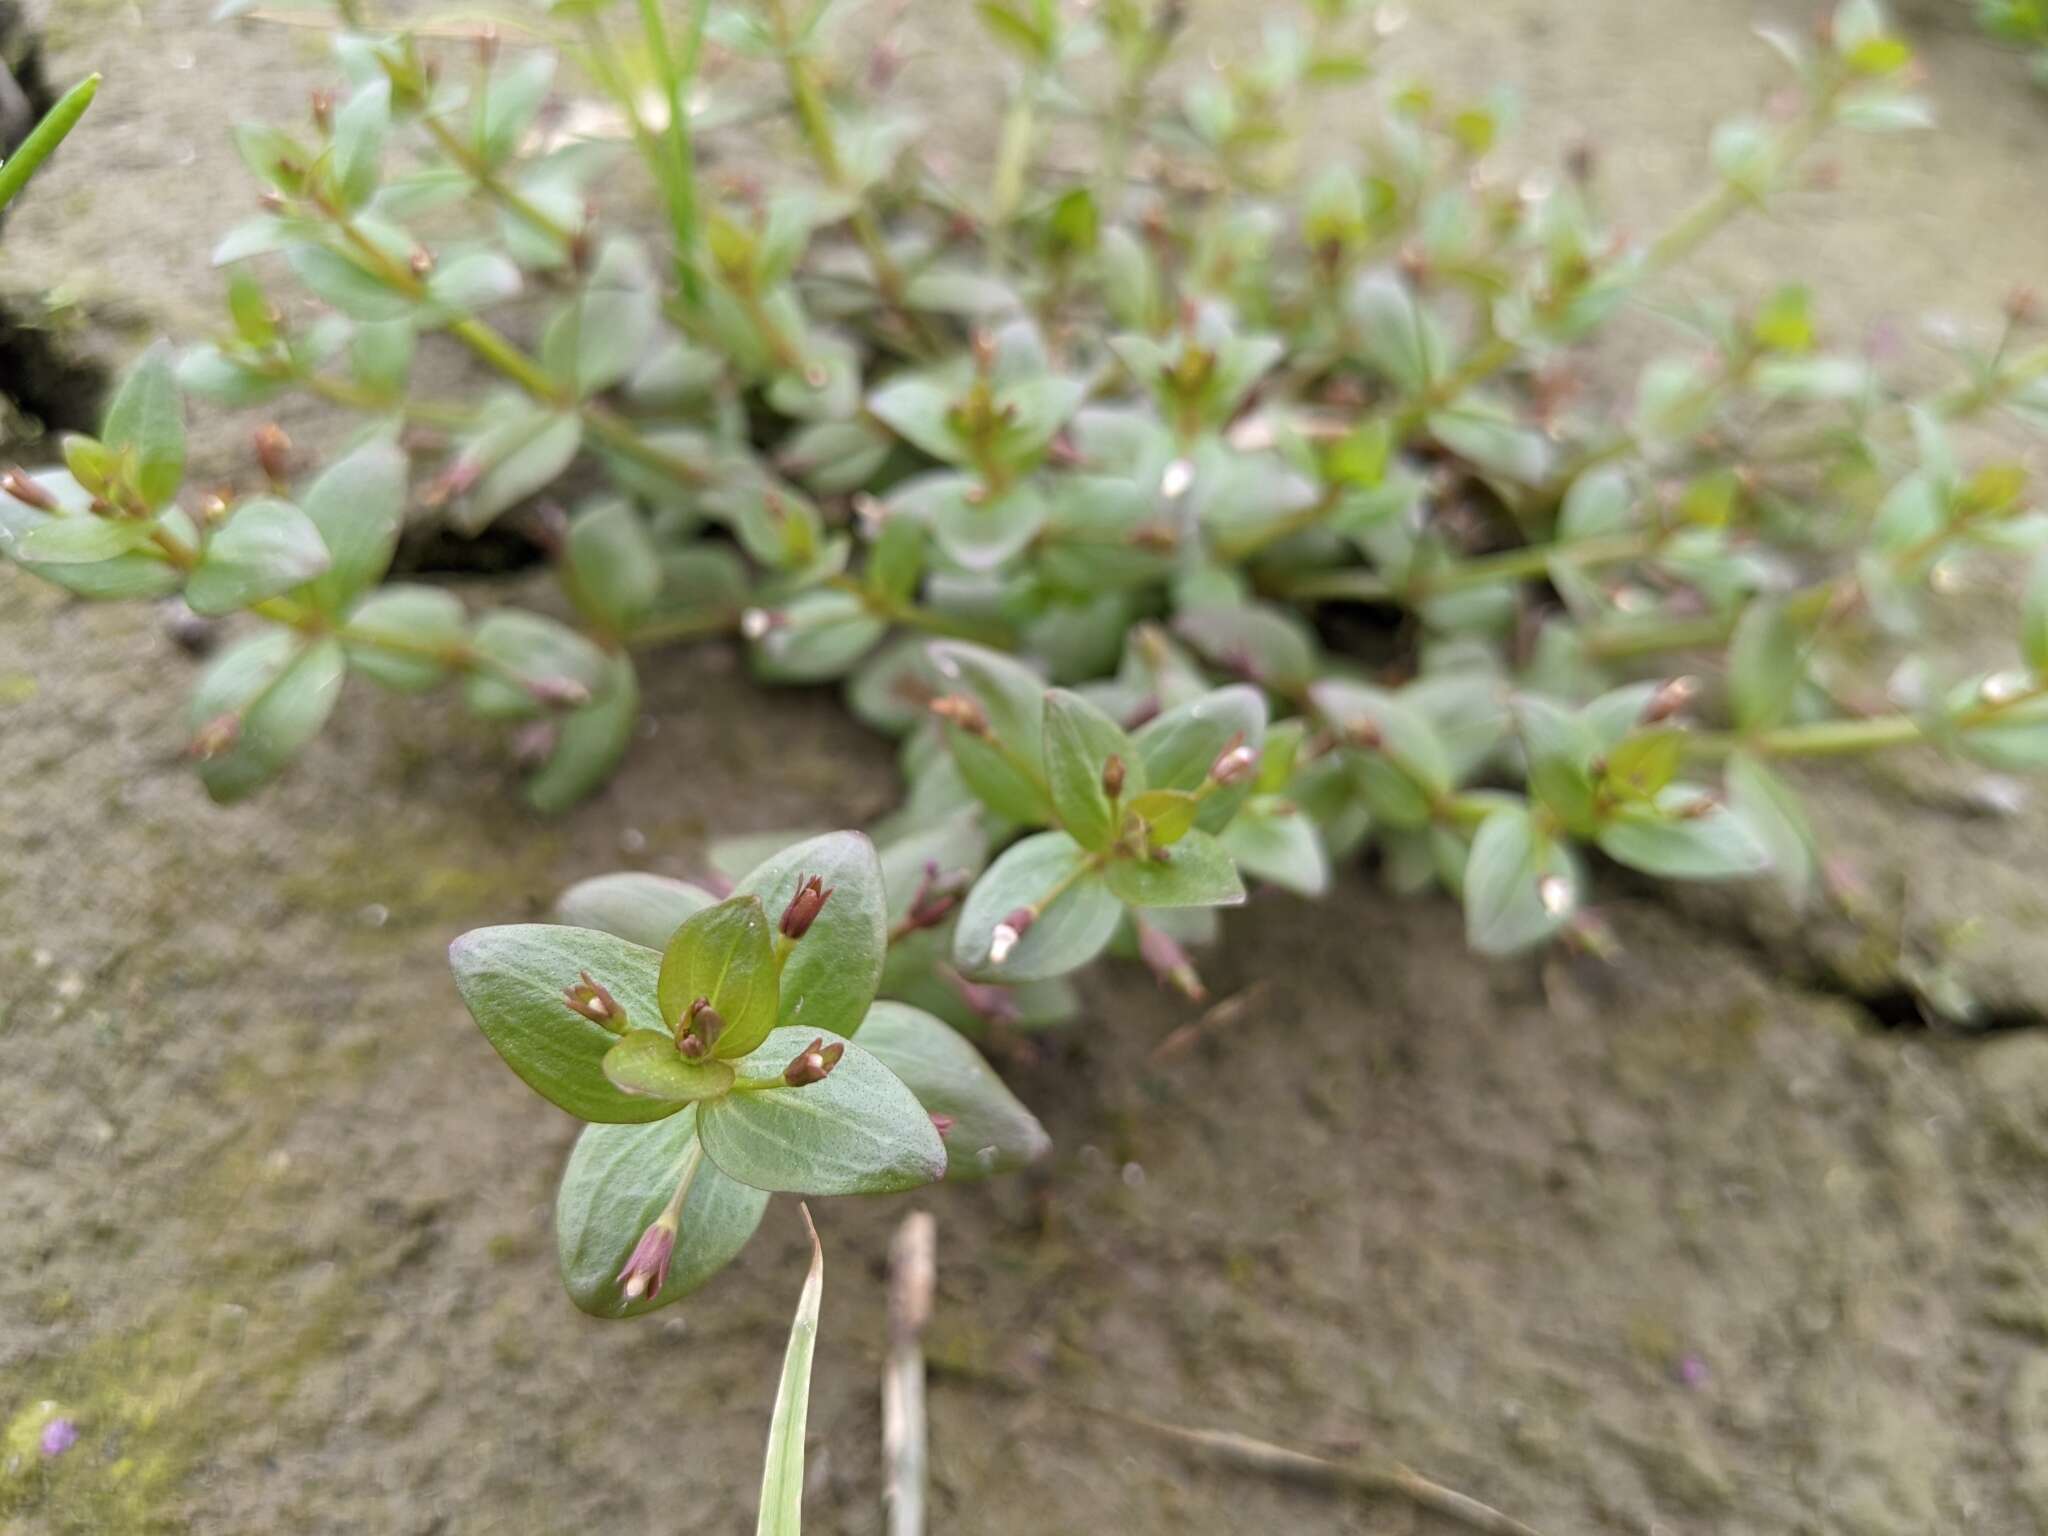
[[1684, 1243]]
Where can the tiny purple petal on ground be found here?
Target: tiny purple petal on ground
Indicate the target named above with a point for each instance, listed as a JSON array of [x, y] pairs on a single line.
[[1692, 1370], [59, 1435]]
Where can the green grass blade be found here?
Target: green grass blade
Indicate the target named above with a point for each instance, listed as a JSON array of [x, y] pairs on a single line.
[[782, 1479], [45, 137]]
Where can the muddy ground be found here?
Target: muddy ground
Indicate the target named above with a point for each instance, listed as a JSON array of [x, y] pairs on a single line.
[[1689, 1244]]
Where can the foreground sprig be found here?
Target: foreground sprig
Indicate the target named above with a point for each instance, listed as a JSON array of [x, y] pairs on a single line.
[[1196, 513]]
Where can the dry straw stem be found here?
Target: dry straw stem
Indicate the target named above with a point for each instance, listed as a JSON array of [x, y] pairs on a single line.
[[1373, 1476], [912, 1264]]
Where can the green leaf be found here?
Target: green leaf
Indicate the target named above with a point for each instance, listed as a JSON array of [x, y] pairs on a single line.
[[619, 1179], [1684, 835], [860, 1131], [269, 695], [82, 539], [817, 636], [1003, 767], [613, 567], [1260, 644], [637, 907], [1079, 742], [1559, 746], [2034, 619], [782, 1472], [1274, 841], [519, 458], [512, 978], [1772, 810], [599, 337], [267, 547], [145, 419], [358, 506], [590, 743], [509, 101], [422, 624], [1195, 872], [830, 977], [646, 1064], [348, 286], [1521, 884], [472, 283], [360, 128], [724, 953], [1401, 761], [921, 411], [1182, 745], [1077, 922], [531, 658], [1765, 666], [991, 1131], [1400, 337]]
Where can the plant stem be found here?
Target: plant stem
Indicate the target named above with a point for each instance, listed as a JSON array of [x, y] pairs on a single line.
[[1522, 563], [680, 181], [496, 187], [815, 119]]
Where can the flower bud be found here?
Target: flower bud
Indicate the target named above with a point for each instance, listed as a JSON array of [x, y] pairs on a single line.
[[959, 710], [811, 895], [18, 484], [1113, 776], [216, 736], [1165, 958], [646, 1272], [700, 1029], [1009, 933], [274, 453], [814, 1063], [323, 111], [1669, 699], [943, 1124], [558, 692], [1234, 764], [590, 999], [990, 1004]]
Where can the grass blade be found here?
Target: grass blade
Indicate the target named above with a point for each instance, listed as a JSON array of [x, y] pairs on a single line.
[[45, 137], [782, 1478]]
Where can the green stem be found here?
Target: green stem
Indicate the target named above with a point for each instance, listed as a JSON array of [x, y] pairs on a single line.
[[496, 187]]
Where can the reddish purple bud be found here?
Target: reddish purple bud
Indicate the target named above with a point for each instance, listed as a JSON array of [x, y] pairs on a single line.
[[943, 1124], [992, 1005], [216, 736], [29, 492], [813, 1064], [811, 895], [591, 1000], [558, 692], [1009, 934], [959, 710], [1669, 699], [1235, 763], [274, 453], [646, 1272], [1169, 962], [1113, 774], [700, 1029]]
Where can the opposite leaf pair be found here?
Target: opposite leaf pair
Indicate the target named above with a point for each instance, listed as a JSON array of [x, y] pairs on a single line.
[[719, 1069]]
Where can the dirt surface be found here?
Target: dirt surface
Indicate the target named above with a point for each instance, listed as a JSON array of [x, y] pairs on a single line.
[[1683, 1245]]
